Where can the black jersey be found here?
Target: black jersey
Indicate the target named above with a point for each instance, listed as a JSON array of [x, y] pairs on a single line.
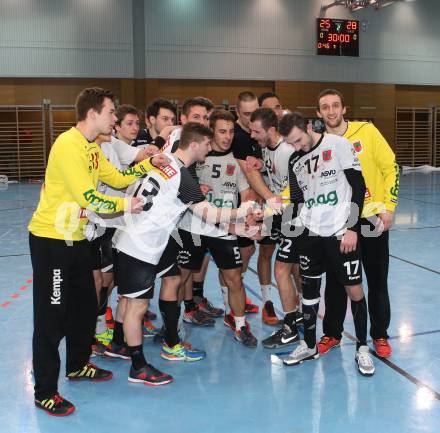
[[243, 145]]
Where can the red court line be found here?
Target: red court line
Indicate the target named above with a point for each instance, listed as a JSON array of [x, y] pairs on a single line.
[[16, 295]]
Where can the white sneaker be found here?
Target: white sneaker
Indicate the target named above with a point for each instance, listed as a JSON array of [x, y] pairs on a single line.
[[364, 361], [300, 354]]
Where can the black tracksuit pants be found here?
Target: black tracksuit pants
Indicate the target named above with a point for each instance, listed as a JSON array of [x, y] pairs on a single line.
[[375, 260], [65, 305]]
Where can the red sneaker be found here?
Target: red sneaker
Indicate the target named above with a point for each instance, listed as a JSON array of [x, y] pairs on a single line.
[[268, 315], [382, 348], [250, 307], [228, 320], [326, 343]]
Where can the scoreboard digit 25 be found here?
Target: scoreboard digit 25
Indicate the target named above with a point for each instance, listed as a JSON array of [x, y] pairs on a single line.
[[337, 37]]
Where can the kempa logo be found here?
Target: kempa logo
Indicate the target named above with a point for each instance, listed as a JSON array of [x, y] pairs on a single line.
[[55, 299], [331, 199]]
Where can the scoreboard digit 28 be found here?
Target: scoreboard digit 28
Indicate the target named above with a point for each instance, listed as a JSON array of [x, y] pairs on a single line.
[[337, 37]]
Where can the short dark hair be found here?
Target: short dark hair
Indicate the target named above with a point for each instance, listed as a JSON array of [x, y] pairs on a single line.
[[266, 95], [155, 106], [245, 96], [194, 102], [220, 115], [289, 121], [125, 109], [193, 131], [266, 116], [91, 98], [330, 92]]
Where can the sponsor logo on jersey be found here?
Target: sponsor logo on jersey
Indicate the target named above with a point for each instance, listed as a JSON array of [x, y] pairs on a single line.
[[367, 193], [82, 213], [219, 202], [98, 202], [331, 199], [358, 146], [327, 173], [167, 171], [55, 299], [230, 169], [230, 185], [327, 155]]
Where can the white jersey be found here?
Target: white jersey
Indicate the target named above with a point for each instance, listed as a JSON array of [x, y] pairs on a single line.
[[276, 161], [170, 145], [126, 153], [110, 220], [222, 173], [167, 191], [317, 180]]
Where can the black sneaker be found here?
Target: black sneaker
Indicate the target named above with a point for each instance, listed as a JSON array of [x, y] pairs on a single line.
[[245, 336], [91, 372], [283, 337], [299, 320], [198, 317], [114, 350], [55, 405], [148, 375]]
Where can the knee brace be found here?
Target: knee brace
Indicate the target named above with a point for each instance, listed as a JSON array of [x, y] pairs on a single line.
[[311, 290]]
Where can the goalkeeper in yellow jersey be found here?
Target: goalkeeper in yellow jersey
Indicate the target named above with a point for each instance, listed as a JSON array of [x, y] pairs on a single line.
[[65, 303], [381, 175]]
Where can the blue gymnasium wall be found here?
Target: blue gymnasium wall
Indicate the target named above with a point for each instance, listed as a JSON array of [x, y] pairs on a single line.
[[66, 38], [224, 39], [275, 39]]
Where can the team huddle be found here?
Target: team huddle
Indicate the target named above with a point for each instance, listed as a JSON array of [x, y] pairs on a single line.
[[136, 209]]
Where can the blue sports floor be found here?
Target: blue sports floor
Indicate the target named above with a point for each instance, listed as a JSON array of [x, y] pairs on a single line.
[[237, 389]]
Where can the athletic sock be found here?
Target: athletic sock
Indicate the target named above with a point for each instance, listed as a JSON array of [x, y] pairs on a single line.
[[197, 288], [190, 305], [360, 319], [310, 314], [240, 321], [103, 301], [170, 316], [265, 292], [137, 357], [225, 293], [118, 333]]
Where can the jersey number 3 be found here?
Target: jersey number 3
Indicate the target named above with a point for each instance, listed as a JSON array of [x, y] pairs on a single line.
[[150, 189]]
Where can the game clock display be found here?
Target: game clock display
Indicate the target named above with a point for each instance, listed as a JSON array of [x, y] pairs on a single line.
[[337, 37]]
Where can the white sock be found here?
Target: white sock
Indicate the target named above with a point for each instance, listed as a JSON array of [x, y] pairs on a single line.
[[225, 292], [239, 322], [265, 292], [101, 325]]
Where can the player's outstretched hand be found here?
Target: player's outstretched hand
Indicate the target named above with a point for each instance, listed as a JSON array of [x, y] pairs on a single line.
[[205, 188], [150, 150], [348, 242], [246, 210], [135, 205], [160, 159], [275, 203], [253, 163]]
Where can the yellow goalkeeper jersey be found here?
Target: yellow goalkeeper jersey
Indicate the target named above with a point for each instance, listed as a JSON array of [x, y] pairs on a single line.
[[75, 165], [379, 167]]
